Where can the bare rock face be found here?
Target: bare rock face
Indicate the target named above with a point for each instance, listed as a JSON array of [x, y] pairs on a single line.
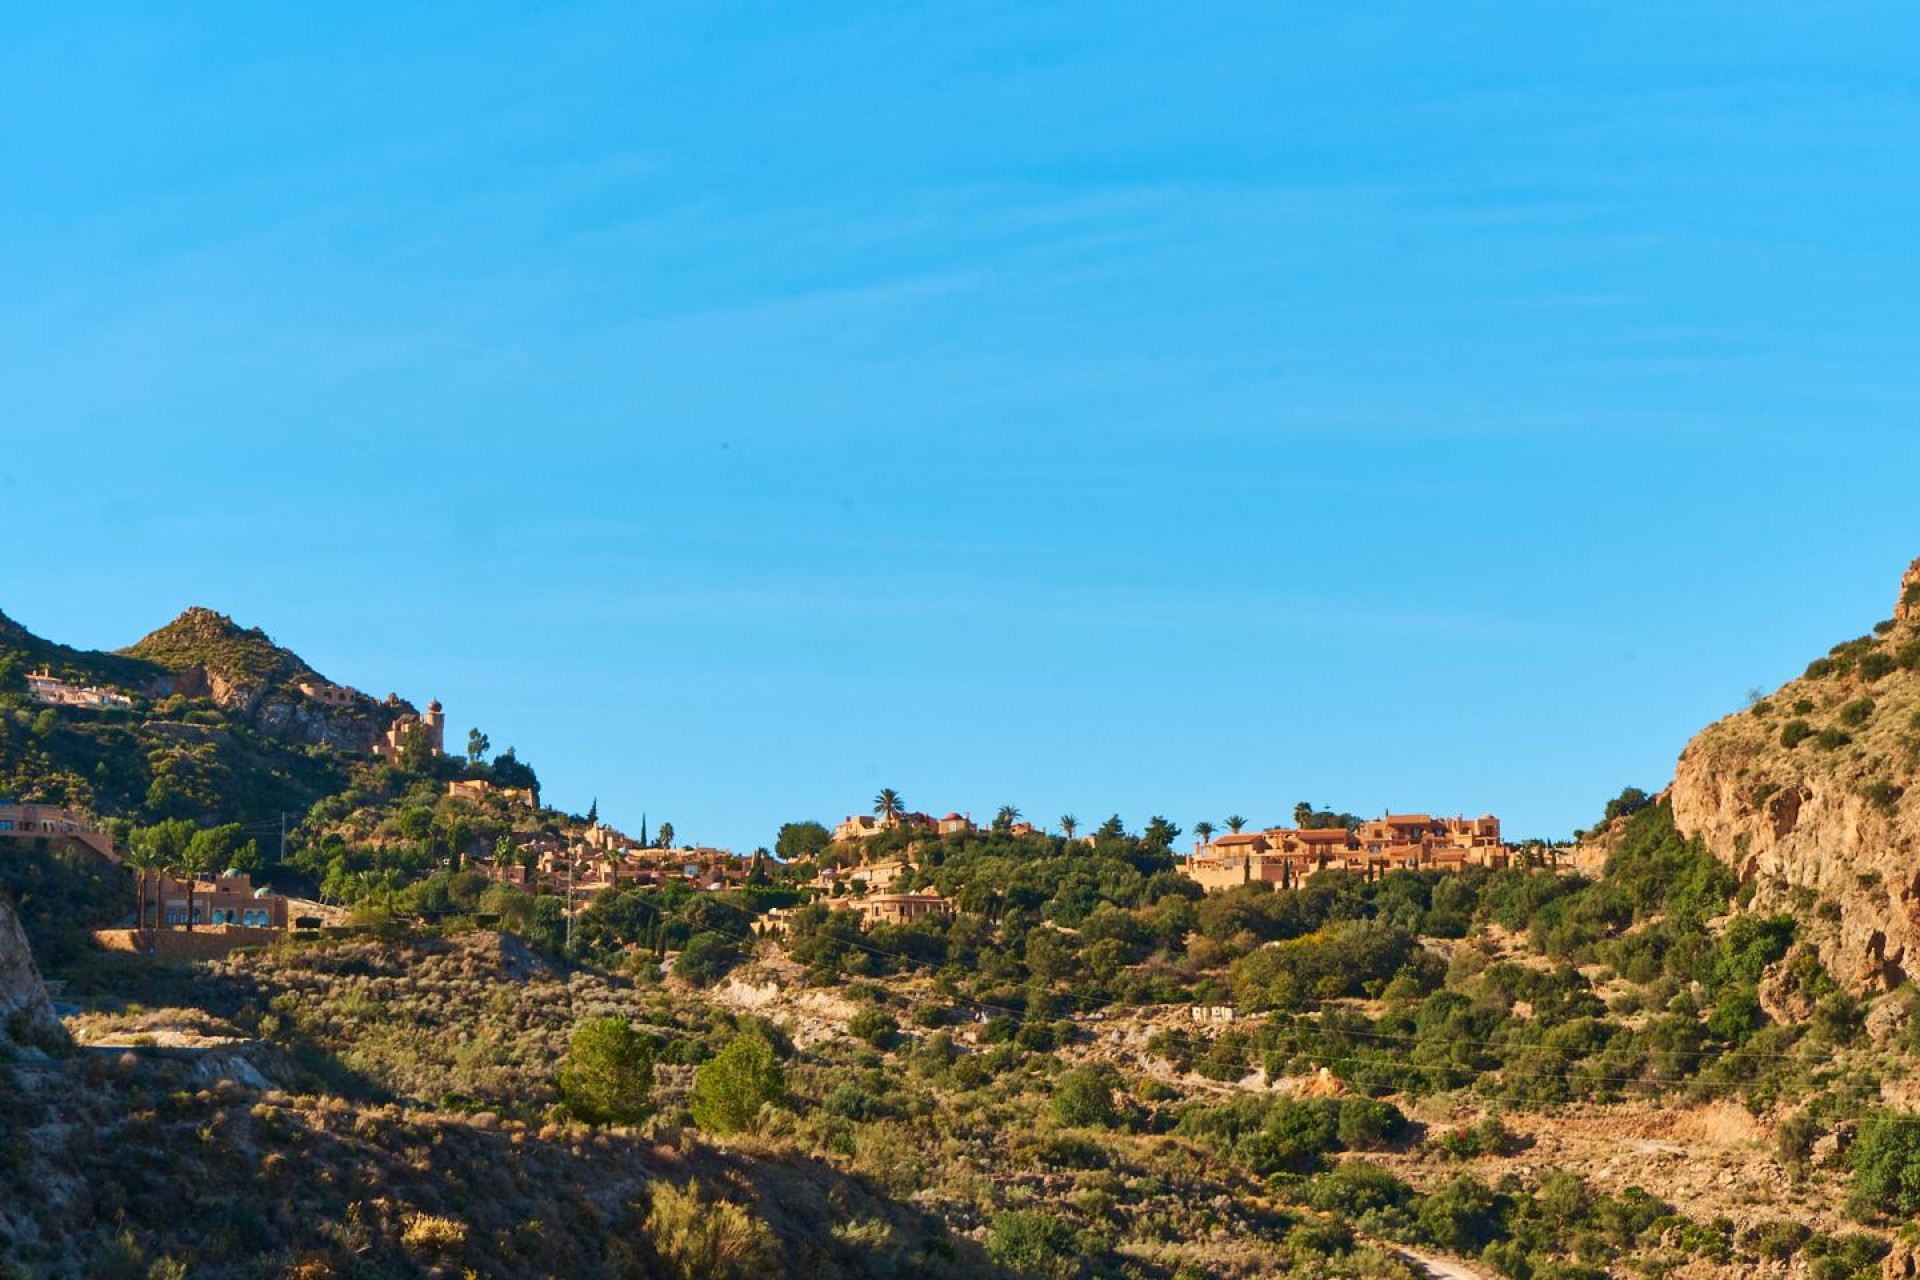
[[1812, 797], [208, 655], [1907, 608], [26, 1018]]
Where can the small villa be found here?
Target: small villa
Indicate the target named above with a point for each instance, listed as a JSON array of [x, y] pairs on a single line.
[[899, 908]]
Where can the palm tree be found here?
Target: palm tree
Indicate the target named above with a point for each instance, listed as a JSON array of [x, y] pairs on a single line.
[[1008, 815], [887, 804], [145, 859], [1302, 814], [198, 857], [1235, 822], [1205, 831], [1069, 824]]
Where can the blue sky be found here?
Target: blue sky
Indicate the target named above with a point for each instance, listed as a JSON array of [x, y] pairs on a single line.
[[1179, 410]]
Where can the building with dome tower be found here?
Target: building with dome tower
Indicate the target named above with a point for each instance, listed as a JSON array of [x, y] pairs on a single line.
[[431, 727]]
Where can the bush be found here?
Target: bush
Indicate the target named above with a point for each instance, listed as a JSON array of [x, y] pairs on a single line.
[[1855, 713], [1490, 1137], [1629, 802], [706, 959], [607, 1075], [696, 1239], [730, 1089], [851, 1102], [1883, 795], [1875, 665], [1369, 1125], [1794, 732], [1032, 1243], [1886, 1164], [1735, 1014], [1831, 739], [1084, 1097], [1355, 1187], [430, 1234], [876, 1026]]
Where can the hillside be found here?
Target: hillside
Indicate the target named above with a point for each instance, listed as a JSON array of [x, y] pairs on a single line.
[[1809, 795], [1087, 1068], [219, 728]]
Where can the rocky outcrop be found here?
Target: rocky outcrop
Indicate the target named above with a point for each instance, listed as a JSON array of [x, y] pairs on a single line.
[[1811, 796], [26, 1018], [208, 655]]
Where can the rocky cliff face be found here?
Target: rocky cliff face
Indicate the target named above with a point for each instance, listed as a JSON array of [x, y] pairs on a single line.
[[206, 654], [26, 1018], [1810, 796]]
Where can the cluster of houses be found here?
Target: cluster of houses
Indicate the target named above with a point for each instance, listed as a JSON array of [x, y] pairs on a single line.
[[600, 859], [1286, 856], [860, 826], [867, 890], [217, 902], [45, 687], [556, 865]]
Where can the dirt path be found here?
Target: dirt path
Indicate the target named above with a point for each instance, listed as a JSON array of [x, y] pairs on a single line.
[[1438, 1268]]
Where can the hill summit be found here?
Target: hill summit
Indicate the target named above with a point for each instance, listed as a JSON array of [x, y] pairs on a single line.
[[1809, 795], [213, 720], [233, 656]]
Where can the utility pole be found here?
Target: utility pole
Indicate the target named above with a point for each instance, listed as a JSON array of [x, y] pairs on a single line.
[[283, 839], [570, 866]]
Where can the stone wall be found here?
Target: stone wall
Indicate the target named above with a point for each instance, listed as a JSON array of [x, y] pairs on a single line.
[[203, 942]]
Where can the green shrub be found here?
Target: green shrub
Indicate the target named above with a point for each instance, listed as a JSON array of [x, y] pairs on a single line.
[[1629, 802], [706, 959], [1355, 1187], [1083, 1097], [1461, 1218], [1831, 739], [1036, 1036], [1873, 666], [876, 1026], [1032, 1243], [1820, 668], [1884, 795], [1855, 713], [1369, 1125], [1794, 732], [1735, 1014], [730, 1089], [607, 1075], [1886, 1164], [1490, 1137]]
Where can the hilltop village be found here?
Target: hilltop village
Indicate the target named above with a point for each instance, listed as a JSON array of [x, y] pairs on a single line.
[[362, 992]]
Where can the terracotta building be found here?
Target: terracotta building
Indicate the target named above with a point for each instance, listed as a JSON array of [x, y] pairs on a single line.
[[44, 821], [478, 789], [333, 695], [393, 739], [45, 687], [899, 908], [220, 900], [1286, 855]]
